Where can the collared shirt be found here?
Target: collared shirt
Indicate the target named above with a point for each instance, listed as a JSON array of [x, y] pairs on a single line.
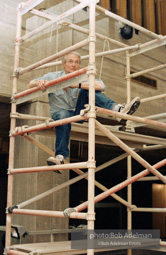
[[62, 99]]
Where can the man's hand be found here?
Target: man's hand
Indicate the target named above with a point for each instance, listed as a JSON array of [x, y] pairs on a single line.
[[41, 84]]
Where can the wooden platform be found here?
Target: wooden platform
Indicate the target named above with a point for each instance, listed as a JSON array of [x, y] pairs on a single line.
[[79, 132], [59, 248]]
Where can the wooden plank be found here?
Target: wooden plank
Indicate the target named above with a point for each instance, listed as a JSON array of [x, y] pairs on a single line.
[[58, 248], [135, 7], [105, 4], [121, 8], [80, 131], [161, 21], [149, 15]]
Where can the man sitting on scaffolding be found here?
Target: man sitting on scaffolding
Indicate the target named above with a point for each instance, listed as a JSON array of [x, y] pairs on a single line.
[[70, 101]]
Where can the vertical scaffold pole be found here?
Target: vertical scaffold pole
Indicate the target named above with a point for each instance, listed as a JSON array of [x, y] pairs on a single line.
[[129, 159], [128, 79], [92, 115], [129, 197], [12, 128]]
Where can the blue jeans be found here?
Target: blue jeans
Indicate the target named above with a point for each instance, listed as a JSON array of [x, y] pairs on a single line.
[[63, 132]]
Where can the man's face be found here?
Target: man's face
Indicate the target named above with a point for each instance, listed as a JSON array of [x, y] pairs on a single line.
[[72, 63]]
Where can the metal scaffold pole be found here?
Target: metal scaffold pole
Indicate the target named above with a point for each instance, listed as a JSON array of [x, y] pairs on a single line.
[[92, 115], [129, 159], [12, 127]]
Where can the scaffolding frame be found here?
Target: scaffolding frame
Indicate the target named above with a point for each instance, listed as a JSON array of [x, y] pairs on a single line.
[[88, 113]]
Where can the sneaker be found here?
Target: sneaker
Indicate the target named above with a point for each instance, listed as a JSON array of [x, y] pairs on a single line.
[[58, 160], [130, 108]]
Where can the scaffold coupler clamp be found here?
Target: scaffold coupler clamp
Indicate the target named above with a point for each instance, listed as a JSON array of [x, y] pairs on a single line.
[[21, 129], [86, 110], [10, 133], [48, 121], [12, 99], [11, 208], [131, 208], [14, 114], [91, 216], [20, 6], [9, 171], [34, 253], [91, 69], [6, 250], [92, 38], [91, 164], [68, 211], [16, 72]]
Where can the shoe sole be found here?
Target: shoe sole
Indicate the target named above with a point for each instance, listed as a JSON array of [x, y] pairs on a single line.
[[134, 107], [132, 110], [53, 164]]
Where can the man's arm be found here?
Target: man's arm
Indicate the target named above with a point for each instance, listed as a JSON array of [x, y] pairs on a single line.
[[38, 83], [85, 85]]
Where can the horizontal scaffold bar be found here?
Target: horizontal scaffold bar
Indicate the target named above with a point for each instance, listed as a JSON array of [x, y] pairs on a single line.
[[147, 71], [99, 54], [120, 186], [48, 168], [149, 46], [23, 116], [21, 130], [144, 100], [139, 209], [161, 117], [55, 20], [73, 215], [125, 21], [52, 57], [136, 47], [51, 86], [150, 178], [130, 117]]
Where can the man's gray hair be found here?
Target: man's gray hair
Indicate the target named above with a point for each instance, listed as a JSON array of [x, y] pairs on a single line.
[[74, 53]]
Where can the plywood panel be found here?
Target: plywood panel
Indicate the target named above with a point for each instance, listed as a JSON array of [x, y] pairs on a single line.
[[54, 248], [136, 11], [149, 15], [59, 248]]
